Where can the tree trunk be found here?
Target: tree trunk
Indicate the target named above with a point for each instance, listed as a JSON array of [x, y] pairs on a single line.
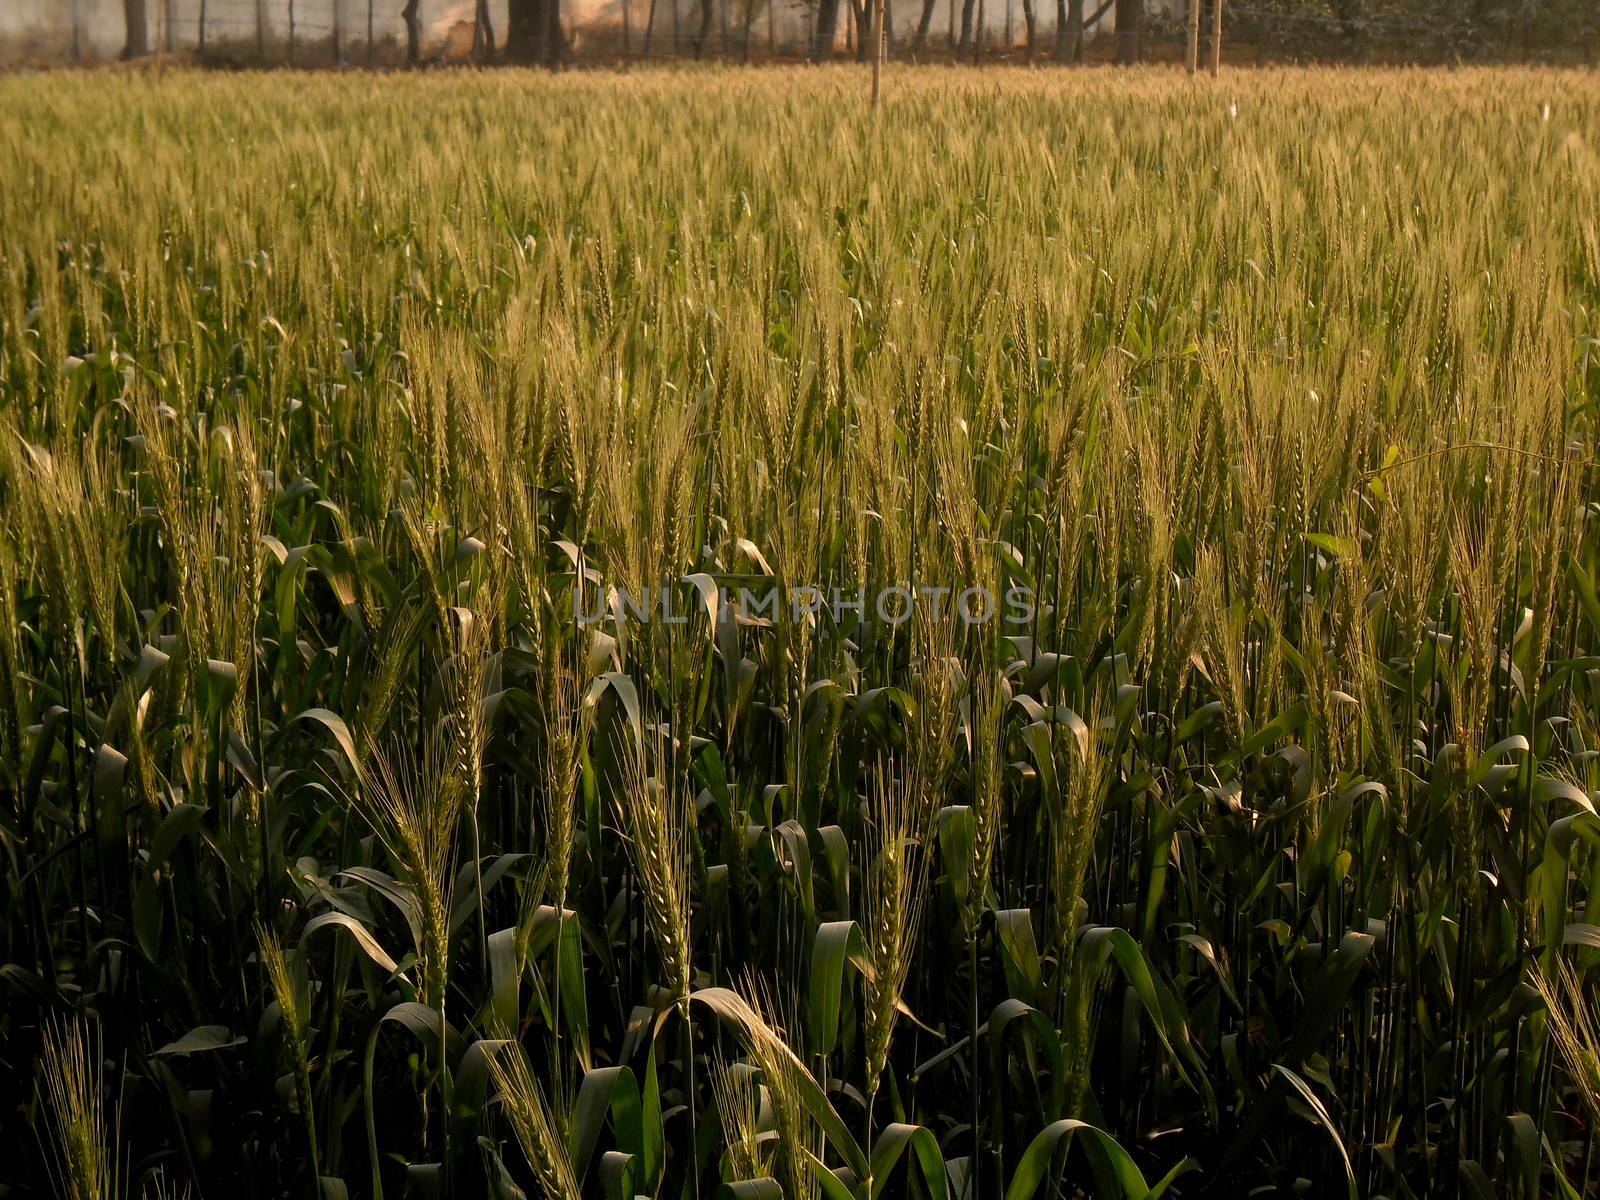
[[533, 32], [920, 38], [1069, 41], [863, 12], [408, 14], [707, 13], [1029, 30], [966, 23], [555, 42], [827, 30], [136, 42], [1130, 31], [482, 33], [525, 26]]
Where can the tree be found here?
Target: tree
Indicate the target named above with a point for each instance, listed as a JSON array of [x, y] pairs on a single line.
[[966, 23], [533, 32], [136, 42], [1352, 25], [863, 14], [920, 38], [703, 38], [1130, 31], [827, 30], [482, 33], [1069, 30], [413, 31]]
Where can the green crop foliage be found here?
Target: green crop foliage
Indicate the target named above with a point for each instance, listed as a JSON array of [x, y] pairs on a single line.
[[361, 839]]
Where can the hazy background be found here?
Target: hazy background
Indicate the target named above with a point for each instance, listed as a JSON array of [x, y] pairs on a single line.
[[44, 28]]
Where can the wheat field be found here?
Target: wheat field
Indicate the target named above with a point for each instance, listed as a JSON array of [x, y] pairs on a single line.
[[399, 795]]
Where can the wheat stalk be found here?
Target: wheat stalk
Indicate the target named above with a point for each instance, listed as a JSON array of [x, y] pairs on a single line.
[[72, 1067]]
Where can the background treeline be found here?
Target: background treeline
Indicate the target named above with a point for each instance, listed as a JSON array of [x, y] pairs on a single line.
[[564, 32], [1418, 30]]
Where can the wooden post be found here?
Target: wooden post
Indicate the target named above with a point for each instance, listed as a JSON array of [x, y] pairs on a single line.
[[877, 51], [1216, 38], [1194, 35]]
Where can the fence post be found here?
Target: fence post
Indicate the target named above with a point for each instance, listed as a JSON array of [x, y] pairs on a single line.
[[877, 50]]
